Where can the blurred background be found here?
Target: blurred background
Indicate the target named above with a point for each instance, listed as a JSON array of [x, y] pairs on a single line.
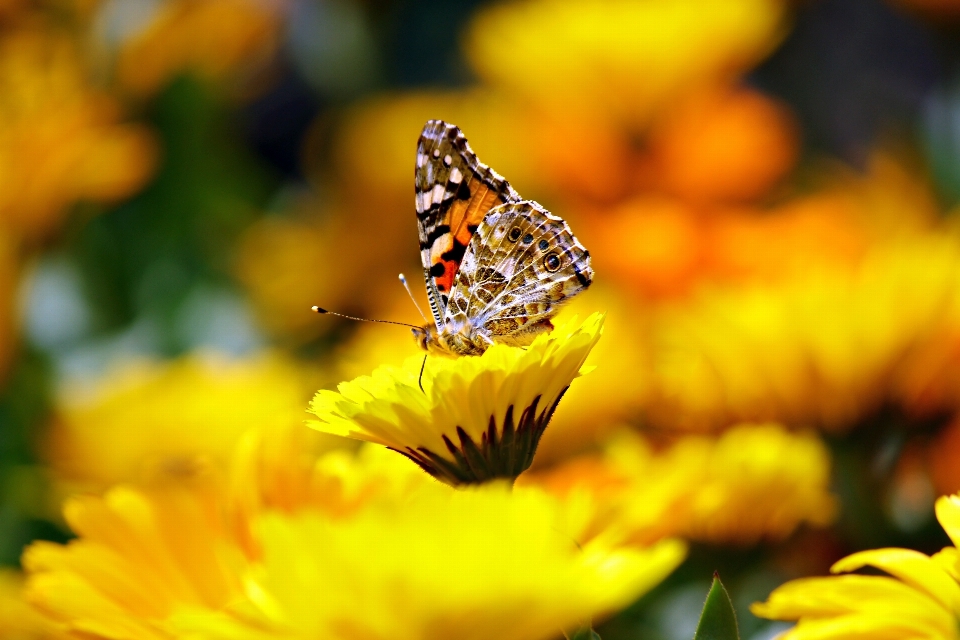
[[768, 189]]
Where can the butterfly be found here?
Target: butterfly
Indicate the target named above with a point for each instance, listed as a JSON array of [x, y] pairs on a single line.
[[497, 267]]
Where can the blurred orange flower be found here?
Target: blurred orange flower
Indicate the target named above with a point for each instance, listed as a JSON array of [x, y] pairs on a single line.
[[159, 420], [942, 455], [662, 247], [61, 140], [214, 39], [732, 145]]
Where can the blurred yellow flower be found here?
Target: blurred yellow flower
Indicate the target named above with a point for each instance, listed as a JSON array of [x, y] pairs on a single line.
[[61, 140], [619, 60], [920, 600], [289, 264], [754, 482], [214, 39], [162, 563], [144, 420], [476, 418], [825, 348], [615, 391], [296, 469], [139, 558], [280, 262], [18, 620]]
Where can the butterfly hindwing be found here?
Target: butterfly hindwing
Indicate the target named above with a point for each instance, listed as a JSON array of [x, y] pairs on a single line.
[[522, 264], [454, 193]]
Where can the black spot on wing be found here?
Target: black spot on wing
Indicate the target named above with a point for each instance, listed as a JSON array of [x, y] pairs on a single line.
[[456, 252], [463, 193], [438, 270]]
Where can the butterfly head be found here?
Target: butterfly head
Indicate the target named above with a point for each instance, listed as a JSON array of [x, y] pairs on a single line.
[[426, 337]]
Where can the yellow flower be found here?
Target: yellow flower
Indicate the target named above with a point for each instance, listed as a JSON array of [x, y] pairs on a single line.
[[921, 599], [825, 348], [600, 403], [139, 557], [163, 563], [144, 420], [753, 482], [476, 418], [471, 564], [574, 53], [18, 620], [294, 469], [60, 139], [211, 38]]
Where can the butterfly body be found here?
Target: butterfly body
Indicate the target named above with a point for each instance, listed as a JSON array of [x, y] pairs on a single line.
[[497, 267]]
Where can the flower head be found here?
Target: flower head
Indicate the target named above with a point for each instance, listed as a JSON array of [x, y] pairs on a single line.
[[753, 482], [438, 575], [139, 557], [477, 417], [484, 562], [919, 599], [572, 52]]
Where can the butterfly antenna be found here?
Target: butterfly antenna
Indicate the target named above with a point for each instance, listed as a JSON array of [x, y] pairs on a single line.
[[406, 286], [333, 313]]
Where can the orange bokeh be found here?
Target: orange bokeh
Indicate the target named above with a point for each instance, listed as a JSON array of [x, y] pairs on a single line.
[[732, 145]]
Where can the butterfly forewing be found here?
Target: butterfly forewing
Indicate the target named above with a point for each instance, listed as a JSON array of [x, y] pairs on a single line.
[[454, 193]]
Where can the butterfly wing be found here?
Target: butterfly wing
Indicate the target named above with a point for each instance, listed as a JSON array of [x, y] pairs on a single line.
[[455, 191], [522, 265]]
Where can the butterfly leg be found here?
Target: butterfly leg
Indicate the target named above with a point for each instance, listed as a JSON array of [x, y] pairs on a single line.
[[420, 379]]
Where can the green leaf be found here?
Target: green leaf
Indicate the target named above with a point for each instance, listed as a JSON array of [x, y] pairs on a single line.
[[718, 621], [585, 633]]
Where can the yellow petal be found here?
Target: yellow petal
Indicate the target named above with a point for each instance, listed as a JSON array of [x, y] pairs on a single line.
[[913, 567], [879, 626], [948, 513]]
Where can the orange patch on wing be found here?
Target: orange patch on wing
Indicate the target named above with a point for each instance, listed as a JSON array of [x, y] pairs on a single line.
[[463, 216], [445, 282]]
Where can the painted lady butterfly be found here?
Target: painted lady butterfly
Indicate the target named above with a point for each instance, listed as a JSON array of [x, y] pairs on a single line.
[[497, 267]]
